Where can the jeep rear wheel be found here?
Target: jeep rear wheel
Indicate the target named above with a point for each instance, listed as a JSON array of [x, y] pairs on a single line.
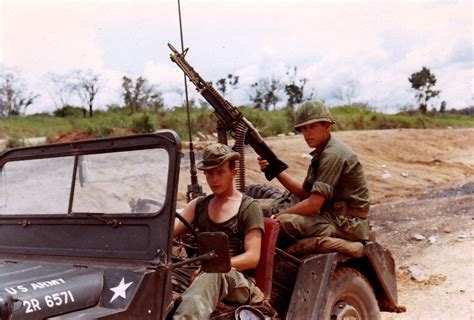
[[350, 297]]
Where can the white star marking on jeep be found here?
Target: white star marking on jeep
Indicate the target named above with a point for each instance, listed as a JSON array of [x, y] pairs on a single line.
[[119, 291]]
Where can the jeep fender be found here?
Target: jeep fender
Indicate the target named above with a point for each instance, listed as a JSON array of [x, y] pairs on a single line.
[[314, 274]]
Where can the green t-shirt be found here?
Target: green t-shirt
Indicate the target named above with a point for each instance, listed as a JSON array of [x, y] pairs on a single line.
[[336, 174], [249, 217]]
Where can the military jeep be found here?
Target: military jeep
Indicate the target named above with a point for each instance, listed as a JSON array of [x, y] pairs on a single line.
[[86, 232], [76, 238]]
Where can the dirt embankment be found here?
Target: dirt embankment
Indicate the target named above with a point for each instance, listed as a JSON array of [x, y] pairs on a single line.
[[398, 163], [422, 186]]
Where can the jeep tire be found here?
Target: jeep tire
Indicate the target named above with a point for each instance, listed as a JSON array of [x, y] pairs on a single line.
[[350, 296]]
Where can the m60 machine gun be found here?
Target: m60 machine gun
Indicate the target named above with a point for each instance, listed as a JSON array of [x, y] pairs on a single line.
[[241, 129]]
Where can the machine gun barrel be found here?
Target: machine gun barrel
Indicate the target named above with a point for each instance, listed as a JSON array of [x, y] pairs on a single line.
[[230, 115]]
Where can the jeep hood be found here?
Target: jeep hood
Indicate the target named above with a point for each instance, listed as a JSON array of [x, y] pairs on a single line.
[[44, 289], [41, 290]]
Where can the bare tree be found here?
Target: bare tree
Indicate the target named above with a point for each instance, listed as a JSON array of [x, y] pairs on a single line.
[[179, 91], [226, 84], [14, 97], [61, 88], [442, 107], [86, 84], [295, 88], [256, 96], [272, 95], [347, 91], [140, 94], [266, 93]]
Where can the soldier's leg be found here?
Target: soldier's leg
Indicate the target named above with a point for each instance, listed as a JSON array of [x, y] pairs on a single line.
[[351, 228], [201, 298], [241, 289], [325, 245], [294, 227]]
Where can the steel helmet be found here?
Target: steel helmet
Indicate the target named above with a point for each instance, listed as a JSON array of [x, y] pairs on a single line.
[[312, 111]]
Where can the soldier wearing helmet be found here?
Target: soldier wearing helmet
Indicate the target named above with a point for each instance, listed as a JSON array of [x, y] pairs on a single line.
[[334, 197]]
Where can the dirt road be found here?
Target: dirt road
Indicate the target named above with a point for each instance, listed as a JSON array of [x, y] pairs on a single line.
[[447, 293], [422, 186]]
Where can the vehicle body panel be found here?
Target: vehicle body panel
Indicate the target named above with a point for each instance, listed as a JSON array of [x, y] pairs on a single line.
[[304, 281]]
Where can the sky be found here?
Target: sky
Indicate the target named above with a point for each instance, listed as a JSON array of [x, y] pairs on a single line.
[[372, 47]]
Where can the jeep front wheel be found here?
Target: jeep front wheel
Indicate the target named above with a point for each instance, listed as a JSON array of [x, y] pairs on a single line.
[[350, 297]]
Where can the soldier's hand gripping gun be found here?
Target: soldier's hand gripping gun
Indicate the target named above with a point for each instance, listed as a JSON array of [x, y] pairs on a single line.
[[230, 116]]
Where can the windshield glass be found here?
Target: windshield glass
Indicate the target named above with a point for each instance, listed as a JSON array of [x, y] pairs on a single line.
[[36, 186], [128, 182], [121, 182]]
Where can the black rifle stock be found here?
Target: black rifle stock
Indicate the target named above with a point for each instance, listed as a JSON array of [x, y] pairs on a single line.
[[230, 115]]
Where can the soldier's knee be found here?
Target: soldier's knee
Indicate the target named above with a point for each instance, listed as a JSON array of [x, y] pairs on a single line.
[[287, 224], [209, 277], [283, 217]]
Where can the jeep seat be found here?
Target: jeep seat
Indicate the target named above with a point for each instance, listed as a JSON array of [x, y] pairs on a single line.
[[264, 270]]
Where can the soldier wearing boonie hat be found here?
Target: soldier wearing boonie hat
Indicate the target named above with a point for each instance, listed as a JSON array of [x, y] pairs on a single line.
[[241, 218], [333, 200], [216, 154]]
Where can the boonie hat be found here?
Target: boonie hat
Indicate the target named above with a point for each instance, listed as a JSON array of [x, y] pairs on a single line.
[[311, 112], [216, 154]]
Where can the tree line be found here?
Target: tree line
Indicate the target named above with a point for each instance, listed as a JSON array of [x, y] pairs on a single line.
[[139, 94]]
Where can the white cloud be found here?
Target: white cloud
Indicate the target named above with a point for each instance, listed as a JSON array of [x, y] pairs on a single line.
[[378, 44], [44, 39], [168, 76]]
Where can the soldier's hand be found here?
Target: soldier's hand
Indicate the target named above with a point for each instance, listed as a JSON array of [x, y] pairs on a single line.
[[275, 216], [262, 163]]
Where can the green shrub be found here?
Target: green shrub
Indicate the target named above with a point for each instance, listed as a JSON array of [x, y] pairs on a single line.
[[98, 131], [206, 123], [15, 142], [274, 127], [256, 116], [142, 123], [69, 111]]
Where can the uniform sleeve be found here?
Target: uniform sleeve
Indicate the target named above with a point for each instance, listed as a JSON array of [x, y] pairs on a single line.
[[253, 217], [307, 185], [329, 172]]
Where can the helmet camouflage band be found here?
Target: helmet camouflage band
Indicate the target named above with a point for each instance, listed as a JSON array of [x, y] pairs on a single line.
[[310, 112], [216, 154]]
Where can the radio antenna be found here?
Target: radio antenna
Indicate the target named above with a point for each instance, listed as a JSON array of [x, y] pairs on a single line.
[[194, 189]]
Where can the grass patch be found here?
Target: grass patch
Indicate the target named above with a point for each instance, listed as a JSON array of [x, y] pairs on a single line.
[[15, 142], [361, 118], [118, 121]]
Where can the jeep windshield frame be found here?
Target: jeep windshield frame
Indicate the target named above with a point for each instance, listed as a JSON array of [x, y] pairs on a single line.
[[84, 215]]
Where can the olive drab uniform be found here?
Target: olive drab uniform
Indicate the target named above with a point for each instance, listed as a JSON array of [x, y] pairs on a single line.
[[336, 174], [205, 292]]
